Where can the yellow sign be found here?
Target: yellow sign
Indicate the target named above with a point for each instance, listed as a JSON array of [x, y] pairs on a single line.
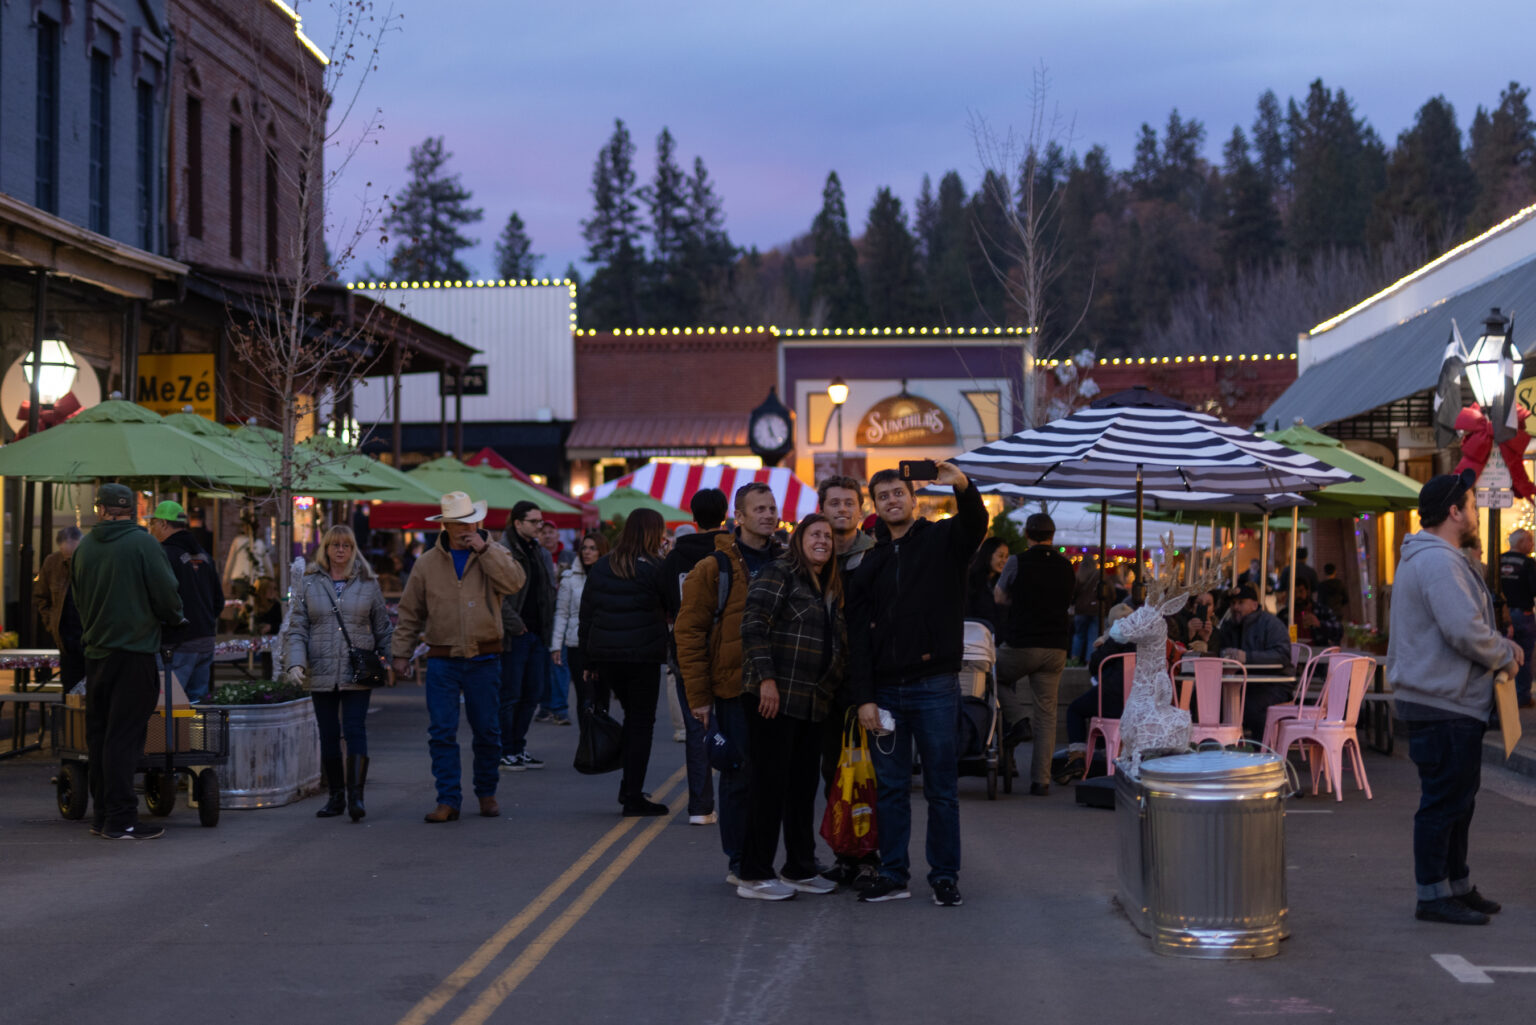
[[169, 384]]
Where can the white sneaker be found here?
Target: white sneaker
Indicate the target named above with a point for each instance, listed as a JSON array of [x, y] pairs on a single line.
[[702, 820], [815, 884], [765, 889], [731, 879]]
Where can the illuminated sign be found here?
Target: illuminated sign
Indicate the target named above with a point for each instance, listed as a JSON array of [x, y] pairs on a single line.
[[904, 421]]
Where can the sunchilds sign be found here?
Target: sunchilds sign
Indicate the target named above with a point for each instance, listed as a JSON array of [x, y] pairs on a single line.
[[904, 421]]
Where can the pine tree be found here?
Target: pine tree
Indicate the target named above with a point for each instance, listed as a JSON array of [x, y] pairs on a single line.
[[671, 295], [835, 278], [925, 222], [515, 258], [1250, 226], [709, 256], [1430, 185], [1271, 145], [1503, 158], [952, 299], [890, 263], [987, 259], [427, 215], [614, 237], [1338, 166]]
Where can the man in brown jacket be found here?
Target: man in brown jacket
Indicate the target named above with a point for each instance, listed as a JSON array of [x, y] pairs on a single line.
[[50, 596], [708, 636], [453, 603]]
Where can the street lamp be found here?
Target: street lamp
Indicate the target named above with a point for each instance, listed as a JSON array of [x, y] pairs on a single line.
[[837, 391], [1486, 366], [58, 368]]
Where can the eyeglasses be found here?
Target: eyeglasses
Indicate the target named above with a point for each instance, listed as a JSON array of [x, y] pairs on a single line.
[[530, 519]]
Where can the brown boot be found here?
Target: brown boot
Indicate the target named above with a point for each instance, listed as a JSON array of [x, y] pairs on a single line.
[[443, 813], [488, 807]]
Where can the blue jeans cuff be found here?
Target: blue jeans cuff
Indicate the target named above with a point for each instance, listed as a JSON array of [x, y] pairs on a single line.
[[1436, 891]]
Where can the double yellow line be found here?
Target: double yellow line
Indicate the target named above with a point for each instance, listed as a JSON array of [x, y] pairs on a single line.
[[503, 985]]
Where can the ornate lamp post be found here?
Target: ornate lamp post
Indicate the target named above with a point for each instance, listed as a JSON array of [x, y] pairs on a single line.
[[1493, 363], [837, 391]]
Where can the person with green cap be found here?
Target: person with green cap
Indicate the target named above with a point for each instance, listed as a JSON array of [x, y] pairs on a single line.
[[126, 593], [202, 599]]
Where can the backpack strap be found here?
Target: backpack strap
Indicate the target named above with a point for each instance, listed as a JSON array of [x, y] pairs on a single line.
[[723, 583]]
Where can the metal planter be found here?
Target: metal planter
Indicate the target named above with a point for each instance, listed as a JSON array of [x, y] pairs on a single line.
[[274, 755]]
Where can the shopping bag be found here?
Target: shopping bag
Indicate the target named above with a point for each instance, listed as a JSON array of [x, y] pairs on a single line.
[[1509, 710], [849, 823], [599, 748]]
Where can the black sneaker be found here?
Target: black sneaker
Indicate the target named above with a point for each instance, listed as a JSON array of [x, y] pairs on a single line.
[[865, 876], [843, 873], [946, 894], [882, 890], [140, 831], [642, 807], [1072, 771], [1450, 911], [529, 762], [1477, 902]]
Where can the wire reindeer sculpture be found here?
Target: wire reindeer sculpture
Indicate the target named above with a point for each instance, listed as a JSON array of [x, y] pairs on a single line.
[[1152, 724]]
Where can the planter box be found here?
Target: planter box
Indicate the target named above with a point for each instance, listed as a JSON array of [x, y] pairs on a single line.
[[274, 755]]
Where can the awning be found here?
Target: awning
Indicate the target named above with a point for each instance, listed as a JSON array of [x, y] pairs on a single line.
[[620, 434], [676, 483], [586, 516], [1405, 359]]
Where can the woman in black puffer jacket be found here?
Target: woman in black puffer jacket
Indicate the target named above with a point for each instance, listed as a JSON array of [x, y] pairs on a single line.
[[623, 637]]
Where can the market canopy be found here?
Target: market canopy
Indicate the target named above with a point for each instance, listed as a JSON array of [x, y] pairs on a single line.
[[583, 515], [624, 501], [119, 440], [309, 472], [346, 462], [1147, 447], [404, 509], [676, 483]]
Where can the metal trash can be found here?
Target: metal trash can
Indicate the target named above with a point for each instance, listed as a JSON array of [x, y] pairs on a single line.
[[1213, 853]]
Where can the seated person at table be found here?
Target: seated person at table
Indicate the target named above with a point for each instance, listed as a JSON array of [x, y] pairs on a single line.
[[1110, 681], [1256, 637], [1192, 625], [1316, 623]]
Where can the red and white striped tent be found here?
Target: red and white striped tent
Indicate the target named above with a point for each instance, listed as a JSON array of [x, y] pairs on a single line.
[[676, 483]]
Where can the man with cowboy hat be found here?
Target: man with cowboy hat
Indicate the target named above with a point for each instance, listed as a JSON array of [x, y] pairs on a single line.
[[452, 602]]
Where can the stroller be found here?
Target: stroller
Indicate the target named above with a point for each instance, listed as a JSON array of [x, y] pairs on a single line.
[[978, 743]]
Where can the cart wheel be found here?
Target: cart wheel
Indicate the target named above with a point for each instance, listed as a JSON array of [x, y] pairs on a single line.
[[159, 791], [207, 785], [74, 791], [992, 781]]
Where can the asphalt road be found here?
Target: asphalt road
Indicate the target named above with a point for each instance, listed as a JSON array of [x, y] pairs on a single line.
[[561, 911]]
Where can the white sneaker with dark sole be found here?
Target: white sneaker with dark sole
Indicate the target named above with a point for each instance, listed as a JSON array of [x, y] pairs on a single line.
[[815, 884], [512, 763], [765, 889], [703, 820]]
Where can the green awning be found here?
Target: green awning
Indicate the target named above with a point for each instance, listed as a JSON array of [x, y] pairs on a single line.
[[1379, 489], [624, 501]]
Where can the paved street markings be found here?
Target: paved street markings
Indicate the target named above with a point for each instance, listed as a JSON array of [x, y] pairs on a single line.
[[1463, 970], [509, 980], [488, 951]]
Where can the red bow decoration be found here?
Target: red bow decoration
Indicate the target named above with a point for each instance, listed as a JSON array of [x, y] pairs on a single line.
[[48, 416], [1477, 446]]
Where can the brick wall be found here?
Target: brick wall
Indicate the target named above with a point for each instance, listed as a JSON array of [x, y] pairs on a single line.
[[620, 375], [243, 64]]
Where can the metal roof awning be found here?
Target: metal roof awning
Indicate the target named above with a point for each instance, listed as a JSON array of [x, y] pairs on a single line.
[[33, 239], [1404, 360], [607, 434]]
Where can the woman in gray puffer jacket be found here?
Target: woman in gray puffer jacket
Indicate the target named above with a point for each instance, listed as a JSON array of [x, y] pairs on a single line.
[[338, 588]]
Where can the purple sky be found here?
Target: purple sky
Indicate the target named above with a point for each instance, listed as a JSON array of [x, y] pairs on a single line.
[[773, 96]]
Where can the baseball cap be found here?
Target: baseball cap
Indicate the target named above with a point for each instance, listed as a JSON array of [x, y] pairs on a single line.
[[170, 512], [114, 496], [724, 756], [1444, 492]]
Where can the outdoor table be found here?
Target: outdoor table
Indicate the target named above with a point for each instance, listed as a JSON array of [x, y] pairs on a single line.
[[1231, 681], [22, 661]]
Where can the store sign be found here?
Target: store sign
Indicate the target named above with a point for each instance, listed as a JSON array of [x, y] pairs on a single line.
[[1525, 395], [701, 452], [904, 421], [170, 383], [476, 381]]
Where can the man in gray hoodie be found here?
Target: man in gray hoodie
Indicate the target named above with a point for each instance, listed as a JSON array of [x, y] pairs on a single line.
[[1443, 653]]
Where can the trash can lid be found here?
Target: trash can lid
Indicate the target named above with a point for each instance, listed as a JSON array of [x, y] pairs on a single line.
[[1212, 765]]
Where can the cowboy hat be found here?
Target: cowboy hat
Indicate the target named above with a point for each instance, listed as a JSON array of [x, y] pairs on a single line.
[[458, 508]]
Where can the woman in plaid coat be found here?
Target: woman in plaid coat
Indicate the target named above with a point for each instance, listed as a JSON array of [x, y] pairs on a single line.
[[793, 639]]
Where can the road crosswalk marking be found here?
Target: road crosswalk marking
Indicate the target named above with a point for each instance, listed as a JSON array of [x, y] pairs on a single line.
[[1463, 970]]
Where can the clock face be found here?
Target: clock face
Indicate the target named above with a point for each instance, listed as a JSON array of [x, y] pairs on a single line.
[[770, 432]]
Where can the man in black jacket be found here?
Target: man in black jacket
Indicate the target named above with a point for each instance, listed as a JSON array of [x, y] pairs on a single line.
[[202, 599], [1037, 590], [708, 506], [528, 624], [907, 640]]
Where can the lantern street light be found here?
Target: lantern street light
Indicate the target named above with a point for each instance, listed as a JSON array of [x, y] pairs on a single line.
[[837, 391], [1492, 365], [55, 371]]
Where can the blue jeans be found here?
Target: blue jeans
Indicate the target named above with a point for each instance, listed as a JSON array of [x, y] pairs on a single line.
[[193, 670], [477, 679], [341, 713], [1449, 754], [928, 712], [525, 666], [1085, 630], [556, 699], [731, 721], [1525, 635], [701, 783]]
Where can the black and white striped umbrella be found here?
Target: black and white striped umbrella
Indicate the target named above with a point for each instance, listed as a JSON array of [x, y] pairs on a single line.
[[1125, 449]]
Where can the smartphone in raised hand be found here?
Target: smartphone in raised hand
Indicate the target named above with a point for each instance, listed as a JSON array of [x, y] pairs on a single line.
[[918, 469]]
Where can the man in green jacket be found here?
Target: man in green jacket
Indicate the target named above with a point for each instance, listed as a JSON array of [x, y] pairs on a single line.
[[125, 592]]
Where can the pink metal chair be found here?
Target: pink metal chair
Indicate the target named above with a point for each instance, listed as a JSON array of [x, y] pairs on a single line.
[[1327, 736], [1301, 654], [1109, 729], [1220, 706], [1296, 708]]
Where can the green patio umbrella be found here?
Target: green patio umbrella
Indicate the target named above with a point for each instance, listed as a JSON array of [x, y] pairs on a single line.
[[311, 474], [1379, 489], [363, 471], [121, 440], [624, 501], [497, 488]]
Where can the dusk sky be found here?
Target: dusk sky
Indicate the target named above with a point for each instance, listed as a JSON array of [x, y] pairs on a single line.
[[773, 96]]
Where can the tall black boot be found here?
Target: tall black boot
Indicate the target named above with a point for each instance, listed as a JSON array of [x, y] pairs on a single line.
[[336, 783], [357, 775]]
